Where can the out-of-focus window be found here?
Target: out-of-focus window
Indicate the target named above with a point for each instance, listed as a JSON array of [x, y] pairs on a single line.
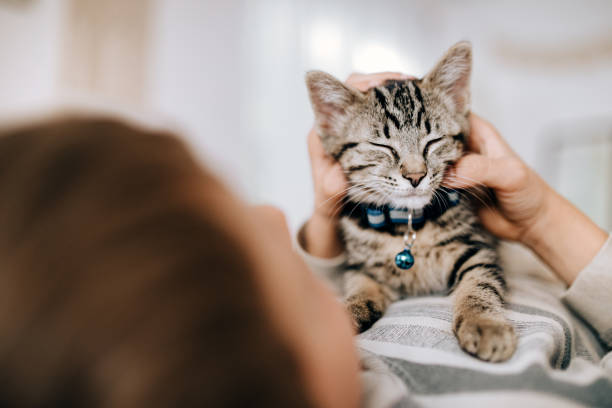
[[576, 158]]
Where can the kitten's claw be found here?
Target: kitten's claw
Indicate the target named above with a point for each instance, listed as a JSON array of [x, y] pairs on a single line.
[[364, 312], [488, 338]]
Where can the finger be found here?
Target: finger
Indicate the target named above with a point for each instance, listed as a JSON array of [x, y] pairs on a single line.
[[485, 139], [453, 180], [502, 173], [319, 160], [363, 82], [466, 172], [356, 77], [274, 217], [325, 169], [315, 147], [334, 182], [497, 224]]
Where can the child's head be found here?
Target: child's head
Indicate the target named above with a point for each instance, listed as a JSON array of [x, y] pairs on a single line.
[[130, 277]]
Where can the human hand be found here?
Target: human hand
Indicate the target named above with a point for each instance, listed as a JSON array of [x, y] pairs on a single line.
[[520, 193], [329, 183], [527, 209]]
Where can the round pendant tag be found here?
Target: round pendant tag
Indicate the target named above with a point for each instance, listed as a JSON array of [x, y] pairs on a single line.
[[404, 259]]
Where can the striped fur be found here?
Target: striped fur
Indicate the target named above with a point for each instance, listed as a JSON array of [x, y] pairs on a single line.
[[394, 143]]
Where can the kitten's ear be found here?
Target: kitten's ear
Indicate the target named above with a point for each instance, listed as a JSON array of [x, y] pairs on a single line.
[[331, 101], [451, 75]]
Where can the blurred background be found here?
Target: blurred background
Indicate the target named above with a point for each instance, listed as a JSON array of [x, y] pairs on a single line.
[[228, 75]]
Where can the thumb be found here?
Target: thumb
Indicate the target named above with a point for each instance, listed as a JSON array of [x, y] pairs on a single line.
[[334, 182], [467, 172], [475, 169]]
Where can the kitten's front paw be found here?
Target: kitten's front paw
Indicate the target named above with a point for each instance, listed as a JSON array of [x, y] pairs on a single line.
[[364, 312], [488, 338]]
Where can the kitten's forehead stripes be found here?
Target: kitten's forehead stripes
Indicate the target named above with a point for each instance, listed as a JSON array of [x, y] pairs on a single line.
[[419, 96], [393, 119], [406, 98], [419, 115], [410, 100], [382, 100], [417, 93], [401, 99]]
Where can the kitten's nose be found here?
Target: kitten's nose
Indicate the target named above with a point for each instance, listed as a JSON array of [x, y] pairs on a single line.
[[414, 178], [414, 170]]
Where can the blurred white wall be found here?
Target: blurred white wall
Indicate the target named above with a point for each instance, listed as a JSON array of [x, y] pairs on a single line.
[[104, 50], [232, 72], [196, 80], [229, 74], [30, 53]]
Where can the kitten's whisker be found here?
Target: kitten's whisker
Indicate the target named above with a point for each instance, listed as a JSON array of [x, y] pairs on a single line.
[[359, 201], [467, 194], [356, 204], [438, 198], [362, 191], [470, 182], [480, 187], [343, 192], [337, 195]]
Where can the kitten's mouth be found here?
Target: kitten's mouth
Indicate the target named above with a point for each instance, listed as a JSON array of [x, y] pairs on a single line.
[[412, 200]]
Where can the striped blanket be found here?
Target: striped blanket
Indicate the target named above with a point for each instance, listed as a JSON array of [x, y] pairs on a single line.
[[411, 356]]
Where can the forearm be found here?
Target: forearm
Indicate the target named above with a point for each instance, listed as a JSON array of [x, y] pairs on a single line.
[[321, 237], [564, 238]]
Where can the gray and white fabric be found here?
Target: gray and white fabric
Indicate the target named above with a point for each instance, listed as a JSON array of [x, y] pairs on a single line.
[[563, 359]]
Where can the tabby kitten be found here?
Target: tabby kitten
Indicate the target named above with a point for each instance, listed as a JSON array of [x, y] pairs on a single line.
[[394, 143]]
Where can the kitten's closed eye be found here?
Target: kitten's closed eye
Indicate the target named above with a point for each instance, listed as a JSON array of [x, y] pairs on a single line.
[[391, 150], [429, 144]]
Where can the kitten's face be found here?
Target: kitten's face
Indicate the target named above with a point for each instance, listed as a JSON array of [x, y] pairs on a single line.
[[396, 141]]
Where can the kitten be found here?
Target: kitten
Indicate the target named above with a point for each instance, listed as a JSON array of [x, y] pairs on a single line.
[[394, 143]]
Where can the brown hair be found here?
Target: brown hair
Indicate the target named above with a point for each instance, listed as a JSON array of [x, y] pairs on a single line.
[[117, 288]]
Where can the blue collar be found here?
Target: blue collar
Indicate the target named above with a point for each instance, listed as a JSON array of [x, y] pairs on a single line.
[[386, 217]]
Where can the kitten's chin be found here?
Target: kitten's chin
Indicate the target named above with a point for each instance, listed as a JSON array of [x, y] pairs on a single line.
[[414, 202]]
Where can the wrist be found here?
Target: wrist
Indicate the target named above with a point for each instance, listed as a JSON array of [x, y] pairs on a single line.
[[546, 218], [322, 237], [564, 237]]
